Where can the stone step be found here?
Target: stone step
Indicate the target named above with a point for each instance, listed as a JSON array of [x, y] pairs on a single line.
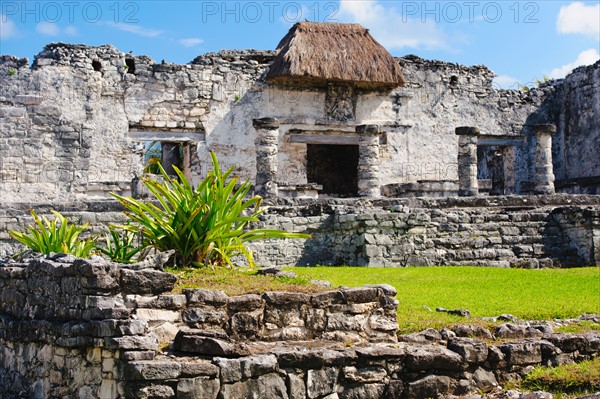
[[208, 343]]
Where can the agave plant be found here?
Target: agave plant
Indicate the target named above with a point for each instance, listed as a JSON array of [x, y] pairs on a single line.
[[57, 235], [207, 225], [121, 245]]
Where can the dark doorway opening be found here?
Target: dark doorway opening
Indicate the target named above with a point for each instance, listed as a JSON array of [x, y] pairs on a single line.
[[334, 167], [130, 63], [97, 66]]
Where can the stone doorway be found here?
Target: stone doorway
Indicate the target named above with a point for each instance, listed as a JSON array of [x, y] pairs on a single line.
[[333, 166]]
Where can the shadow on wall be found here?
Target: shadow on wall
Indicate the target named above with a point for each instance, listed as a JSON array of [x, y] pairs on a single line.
[[567, 237]]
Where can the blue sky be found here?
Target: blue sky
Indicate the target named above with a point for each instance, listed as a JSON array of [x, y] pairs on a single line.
[[521, 41]]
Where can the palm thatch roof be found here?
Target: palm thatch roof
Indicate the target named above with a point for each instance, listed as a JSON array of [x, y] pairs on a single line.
[[317, 53]]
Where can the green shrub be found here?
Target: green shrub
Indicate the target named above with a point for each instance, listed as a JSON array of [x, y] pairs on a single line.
[[121, 245], [207, 225], [58, 235]]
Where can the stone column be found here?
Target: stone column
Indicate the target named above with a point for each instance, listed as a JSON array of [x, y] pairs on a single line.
[[267, 141], [368, 161], [467, 160], [543, 179]]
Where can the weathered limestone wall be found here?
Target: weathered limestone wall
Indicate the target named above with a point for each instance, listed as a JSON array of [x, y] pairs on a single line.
[[65, 121], [577, 115], [509, 231], [73, 328], [499, 232]]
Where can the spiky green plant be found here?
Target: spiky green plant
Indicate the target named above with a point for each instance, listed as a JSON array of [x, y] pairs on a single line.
[[121, 245], [207, 225], [57, 235]]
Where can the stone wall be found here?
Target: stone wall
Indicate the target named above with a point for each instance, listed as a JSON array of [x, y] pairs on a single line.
[[577, 114], [68, 121], [528, 232], [69, 327], [75, 328], [506, 231]]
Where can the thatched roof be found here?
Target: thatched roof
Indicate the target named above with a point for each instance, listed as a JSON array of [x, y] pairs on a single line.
[[318, 53]]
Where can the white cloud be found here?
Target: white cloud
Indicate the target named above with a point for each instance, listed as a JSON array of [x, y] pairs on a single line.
[[579, 18], [7, 27], [52, 29], [136, 29], [70, 30], [48, 29], [392, 29], [506, 82], [586, 57], [191, 41]]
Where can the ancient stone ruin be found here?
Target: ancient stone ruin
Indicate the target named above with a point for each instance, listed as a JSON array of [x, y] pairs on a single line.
[[328, 118], [385, 161], [91, 329]]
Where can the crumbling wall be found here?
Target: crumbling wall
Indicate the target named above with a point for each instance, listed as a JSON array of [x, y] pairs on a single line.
[[577, 116], [74, 328], [509, 231], [90, 328], [65, 120]]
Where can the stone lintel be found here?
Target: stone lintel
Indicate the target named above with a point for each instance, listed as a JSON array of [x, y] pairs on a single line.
[[265, 123], [543, 128], [368, 129], [467, 131]]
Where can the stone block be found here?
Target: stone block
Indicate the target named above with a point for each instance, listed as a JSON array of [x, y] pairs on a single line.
[[474, 352], [152, 370], [208, 345], [361, 295], [246, 324], [230, 369], [364, 375], [569, 342], [146, 281], [244, 303], [254, 366], [484, 380], [296, 386], [521, 354], [198, 388], [153, 315], [202, 316], [327, 298], [199, 296], [321, 382], [286, 299], [199, 368], [146, 342], [430, 357], [430, 387]]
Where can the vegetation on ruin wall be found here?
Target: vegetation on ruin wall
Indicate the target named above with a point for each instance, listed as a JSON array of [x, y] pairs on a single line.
[[58, 235], [206, 225], [575, 379], [486, 292]]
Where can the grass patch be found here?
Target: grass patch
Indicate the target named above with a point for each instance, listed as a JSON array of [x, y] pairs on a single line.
[[579, 379], [528, 294], [238, 281], [579, 327]]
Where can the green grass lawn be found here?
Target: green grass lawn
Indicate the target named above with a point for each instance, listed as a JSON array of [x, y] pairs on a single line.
[[528, 294]]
